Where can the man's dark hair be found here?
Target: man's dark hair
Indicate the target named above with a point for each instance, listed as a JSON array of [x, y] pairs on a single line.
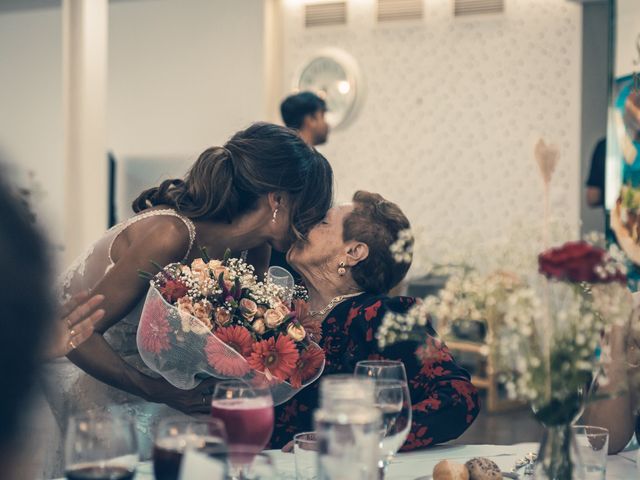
[[295, 107], [25, 310]]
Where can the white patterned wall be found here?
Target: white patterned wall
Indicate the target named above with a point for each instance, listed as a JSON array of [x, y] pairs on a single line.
[[453, 110]]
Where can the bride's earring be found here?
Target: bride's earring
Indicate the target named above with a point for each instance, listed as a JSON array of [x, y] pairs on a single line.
[[275, 214], [341, 270]]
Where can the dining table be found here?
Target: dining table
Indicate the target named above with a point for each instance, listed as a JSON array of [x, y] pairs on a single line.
[[418, 465]]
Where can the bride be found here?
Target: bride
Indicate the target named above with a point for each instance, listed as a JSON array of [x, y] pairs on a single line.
[[263, 189]]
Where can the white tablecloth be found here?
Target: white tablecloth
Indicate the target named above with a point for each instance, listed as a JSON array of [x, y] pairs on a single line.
[[411, 466]]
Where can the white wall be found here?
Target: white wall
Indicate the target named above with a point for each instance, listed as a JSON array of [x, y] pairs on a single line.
[[453, 110], [595, 100], [31, 106], [456, 103], [183, 74]]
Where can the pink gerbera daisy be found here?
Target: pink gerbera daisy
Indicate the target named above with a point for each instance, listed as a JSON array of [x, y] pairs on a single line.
[[225, 350], [153, 333], [276, 358], [308, 365]]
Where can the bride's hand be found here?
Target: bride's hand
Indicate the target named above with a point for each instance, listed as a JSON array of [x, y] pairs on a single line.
[[77, 319], [197, 400]]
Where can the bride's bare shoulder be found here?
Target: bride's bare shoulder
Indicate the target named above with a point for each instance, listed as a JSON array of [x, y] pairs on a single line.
[[158, 233]]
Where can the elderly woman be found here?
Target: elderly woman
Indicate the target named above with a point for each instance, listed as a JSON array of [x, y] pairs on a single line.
[[348, 268]]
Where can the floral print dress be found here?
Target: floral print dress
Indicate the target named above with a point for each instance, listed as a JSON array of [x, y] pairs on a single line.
[[444, 401]]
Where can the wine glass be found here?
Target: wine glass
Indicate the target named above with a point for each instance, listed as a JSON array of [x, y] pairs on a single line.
[[281, 277], [247, 413], [394, 402], [100, 446], [175, 435]]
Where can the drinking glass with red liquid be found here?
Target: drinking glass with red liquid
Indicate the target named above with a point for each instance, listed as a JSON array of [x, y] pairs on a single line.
[[247, 413], [175, 435], [101, 447]]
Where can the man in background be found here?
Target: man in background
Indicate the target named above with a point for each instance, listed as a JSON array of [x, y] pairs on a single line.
[[304, 112]]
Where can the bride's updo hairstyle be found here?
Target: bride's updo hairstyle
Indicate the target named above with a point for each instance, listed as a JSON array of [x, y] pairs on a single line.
[[227, 181]]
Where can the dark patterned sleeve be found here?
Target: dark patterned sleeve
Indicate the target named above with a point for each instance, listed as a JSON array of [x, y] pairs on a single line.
[[444, 401]]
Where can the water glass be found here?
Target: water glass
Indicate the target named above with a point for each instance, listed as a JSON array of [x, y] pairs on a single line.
[[393, 399], [593, 447], [100, 445], [305, 449], [348, 438], [177, 434], [283, 278]]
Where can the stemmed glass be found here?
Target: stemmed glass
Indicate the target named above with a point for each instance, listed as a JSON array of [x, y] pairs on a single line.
[[394, 402], [247, 413], [101, 446], [175, 435]]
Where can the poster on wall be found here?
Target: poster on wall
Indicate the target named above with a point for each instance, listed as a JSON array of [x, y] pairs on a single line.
[[623, 131]]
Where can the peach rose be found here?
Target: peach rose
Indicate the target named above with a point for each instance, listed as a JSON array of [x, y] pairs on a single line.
[[248, 308], [185, 309], [283, 309], [185, 305], [273, 318], [223, 316], [222, 270], [213, 264], [261, 311], [202, 311], [198, 265], [296, 332], [258, 327]]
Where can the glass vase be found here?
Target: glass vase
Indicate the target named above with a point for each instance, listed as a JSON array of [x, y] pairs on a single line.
[[558, 457]]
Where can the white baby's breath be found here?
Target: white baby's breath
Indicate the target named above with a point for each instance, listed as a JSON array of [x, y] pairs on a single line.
[[402, 249]]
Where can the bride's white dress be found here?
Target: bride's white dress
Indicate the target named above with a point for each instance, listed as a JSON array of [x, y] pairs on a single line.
[[68, 389]]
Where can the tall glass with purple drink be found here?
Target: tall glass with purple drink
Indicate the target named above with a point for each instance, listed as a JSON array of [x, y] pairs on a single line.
[[247, 413]]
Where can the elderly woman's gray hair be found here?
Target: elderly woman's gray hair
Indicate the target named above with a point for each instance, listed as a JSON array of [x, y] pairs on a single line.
[[378, 223]]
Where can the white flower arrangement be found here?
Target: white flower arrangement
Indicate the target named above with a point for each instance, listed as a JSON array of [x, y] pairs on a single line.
[[402, 248], [545, 335]]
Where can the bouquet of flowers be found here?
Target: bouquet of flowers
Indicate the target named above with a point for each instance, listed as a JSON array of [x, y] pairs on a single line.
[[214, 318]]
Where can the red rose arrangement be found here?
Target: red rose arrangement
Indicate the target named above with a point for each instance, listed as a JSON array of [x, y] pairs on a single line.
[[580, 262]]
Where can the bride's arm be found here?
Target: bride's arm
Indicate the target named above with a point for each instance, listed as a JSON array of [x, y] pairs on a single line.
[[164, 243]]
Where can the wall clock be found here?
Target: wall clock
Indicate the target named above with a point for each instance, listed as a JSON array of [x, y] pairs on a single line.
[[334, 75]]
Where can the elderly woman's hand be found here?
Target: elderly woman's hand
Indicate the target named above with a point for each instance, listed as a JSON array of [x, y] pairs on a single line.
[[78, 317]]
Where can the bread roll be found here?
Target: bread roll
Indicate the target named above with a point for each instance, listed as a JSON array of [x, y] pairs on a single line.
[[447, 470], [483, 469]]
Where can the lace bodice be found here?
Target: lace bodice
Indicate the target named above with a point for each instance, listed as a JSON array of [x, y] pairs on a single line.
[[88, 269]]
